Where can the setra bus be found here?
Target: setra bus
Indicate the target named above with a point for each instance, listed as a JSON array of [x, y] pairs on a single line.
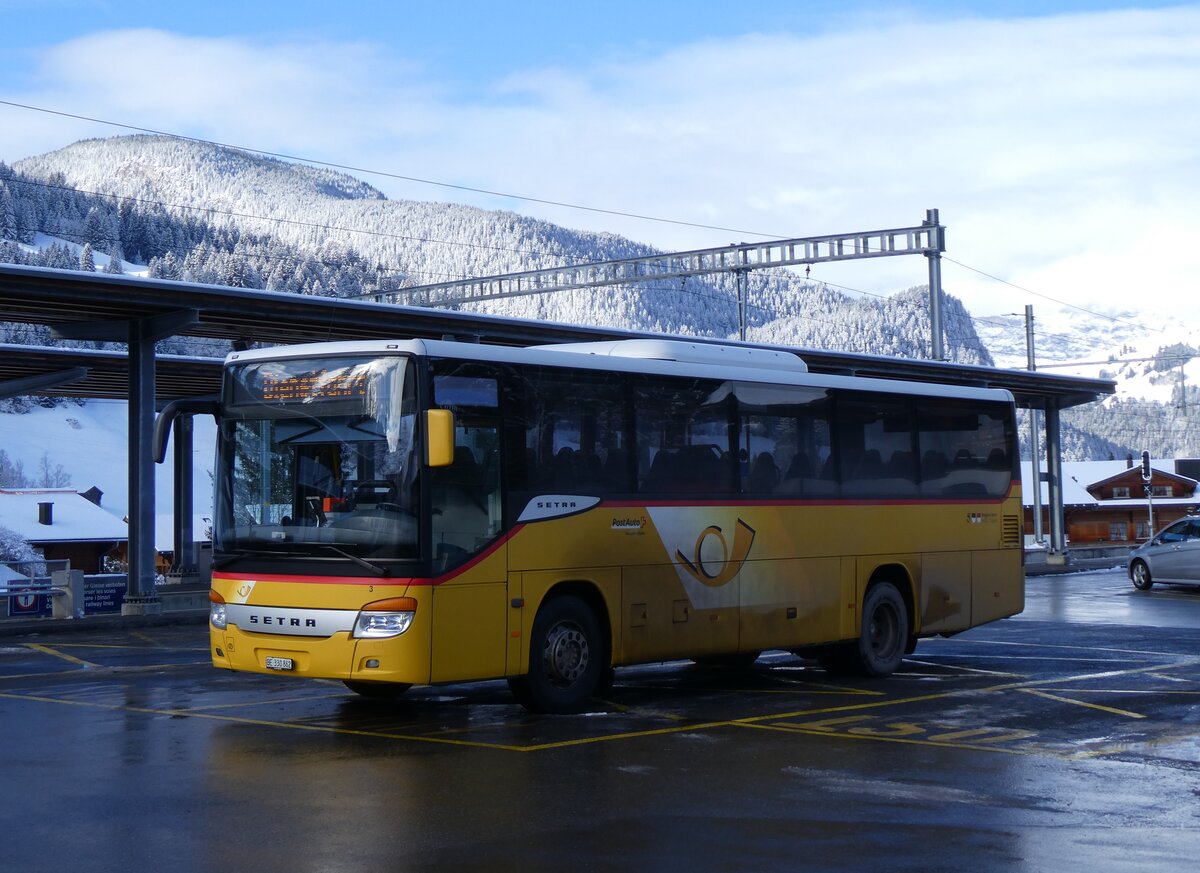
[[391, 514]]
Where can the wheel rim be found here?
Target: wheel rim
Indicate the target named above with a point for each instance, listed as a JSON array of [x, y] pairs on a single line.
[[1139, 574], [565, 657], [883, 632]]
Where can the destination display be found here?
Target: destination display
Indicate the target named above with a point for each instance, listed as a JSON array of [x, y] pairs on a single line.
[[351, 381], [314, 385]]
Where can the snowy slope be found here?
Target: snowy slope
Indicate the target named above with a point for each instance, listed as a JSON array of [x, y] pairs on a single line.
[[89, 441], [1119, 346]]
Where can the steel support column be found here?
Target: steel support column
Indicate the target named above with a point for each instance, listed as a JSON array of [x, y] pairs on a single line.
[[937, 245], [1034, 450], [1058, 536], [140, 334], [141, 597]]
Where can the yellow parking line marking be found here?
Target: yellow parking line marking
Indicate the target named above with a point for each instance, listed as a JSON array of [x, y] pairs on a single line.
[[267, 701], [1082, 677], [260, 722], [47, 650], [982, 735], [906, 740], [130, 648], [46, 674], [775, 721], [1074, 702], [963, 669], [628, 735]]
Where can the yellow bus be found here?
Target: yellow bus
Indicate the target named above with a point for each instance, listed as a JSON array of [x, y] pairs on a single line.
[[404, 513]]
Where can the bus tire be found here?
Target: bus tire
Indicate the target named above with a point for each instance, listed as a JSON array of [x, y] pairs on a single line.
[[1139, 575], [378, 690], [883, 637], [566, 658], [883, 634]]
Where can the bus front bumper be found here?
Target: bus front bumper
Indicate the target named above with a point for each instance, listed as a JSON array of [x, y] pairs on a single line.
[[339, 656]]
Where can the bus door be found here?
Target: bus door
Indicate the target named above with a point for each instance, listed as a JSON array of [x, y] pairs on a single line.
[[470, 597]]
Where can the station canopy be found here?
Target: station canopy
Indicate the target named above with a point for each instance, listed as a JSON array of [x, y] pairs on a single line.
[[102, 307]]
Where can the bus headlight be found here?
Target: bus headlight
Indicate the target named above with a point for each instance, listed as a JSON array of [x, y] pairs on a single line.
[[385, 618], [216, 610]]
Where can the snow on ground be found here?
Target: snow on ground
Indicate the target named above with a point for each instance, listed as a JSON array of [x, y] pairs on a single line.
[[99, 259]]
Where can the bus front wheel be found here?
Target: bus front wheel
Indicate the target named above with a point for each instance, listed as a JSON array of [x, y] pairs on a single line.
[[566, 658]]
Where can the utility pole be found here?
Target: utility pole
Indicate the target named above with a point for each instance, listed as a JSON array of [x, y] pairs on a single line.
[[1034, 449], [743, 301], [937, 245]]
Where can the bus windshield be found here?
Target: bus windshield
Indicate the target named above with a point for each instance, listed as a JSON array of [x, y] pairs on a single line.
[[318, 459]]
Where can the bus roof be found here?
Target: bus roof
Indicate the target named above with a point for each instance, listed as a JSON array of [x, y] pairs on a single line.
[[652, 357]]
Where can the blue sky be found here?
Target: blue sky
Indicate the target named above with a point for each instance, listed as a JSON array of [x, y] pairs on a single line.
[[1056, 138]]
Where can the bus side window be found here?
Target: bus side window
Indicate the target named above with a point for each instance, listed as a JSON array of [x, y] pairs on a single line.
[[876, 436], [574, 432], [684, 436], [963, 450], [784, 438]]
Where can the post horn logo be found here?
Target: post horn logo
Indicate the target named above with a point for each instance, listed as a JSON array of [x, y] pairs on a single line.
[[725, 565]]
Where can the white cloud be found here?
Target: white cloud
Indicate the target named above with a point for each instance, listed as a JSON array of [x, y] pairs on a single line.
[[1055, 147]]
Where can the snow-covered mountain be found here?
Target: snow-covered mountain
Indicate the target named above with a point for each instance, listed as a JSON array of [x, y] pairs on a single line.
[[1149, 356], [202, 212]]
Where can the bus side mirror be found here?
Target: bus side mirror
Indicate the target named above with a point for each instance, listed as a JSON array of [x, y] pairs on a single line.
[[173, 410], [439, 437]]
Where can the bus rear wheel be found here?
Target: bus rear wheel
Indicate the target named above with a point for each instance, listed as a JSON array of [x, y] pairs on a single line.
[[882, 639], [566, 658]]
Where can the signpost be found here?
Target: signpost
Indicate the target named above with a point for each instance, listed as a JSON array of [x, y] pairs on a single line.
[[1147, 475]]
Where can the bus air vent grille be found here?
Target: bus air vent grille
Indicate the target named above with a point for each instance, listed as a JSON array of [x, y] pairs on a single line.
[[1010, 535]]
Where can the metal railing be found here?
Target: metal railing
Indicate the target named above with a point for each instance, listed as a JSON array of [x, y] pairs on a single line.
[[33, 579]]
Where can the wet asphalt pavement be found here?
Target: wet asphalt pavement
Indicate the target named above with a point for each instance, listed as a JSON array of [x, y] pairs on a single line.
[[1065, 739]]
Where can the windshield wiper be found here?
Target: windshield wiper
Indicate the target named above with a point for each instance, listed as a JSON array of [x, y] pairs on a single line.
[[377, 569], [225, 560]]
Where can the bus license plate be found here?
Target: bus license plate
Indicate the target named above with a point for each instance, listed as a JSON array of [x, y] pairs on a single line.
[[280, 663]]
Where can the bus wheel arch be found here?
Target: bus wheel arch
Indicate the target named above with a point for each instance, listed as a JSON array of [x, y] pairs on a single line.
[[569, 651], [886, 632], [886, 622]]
